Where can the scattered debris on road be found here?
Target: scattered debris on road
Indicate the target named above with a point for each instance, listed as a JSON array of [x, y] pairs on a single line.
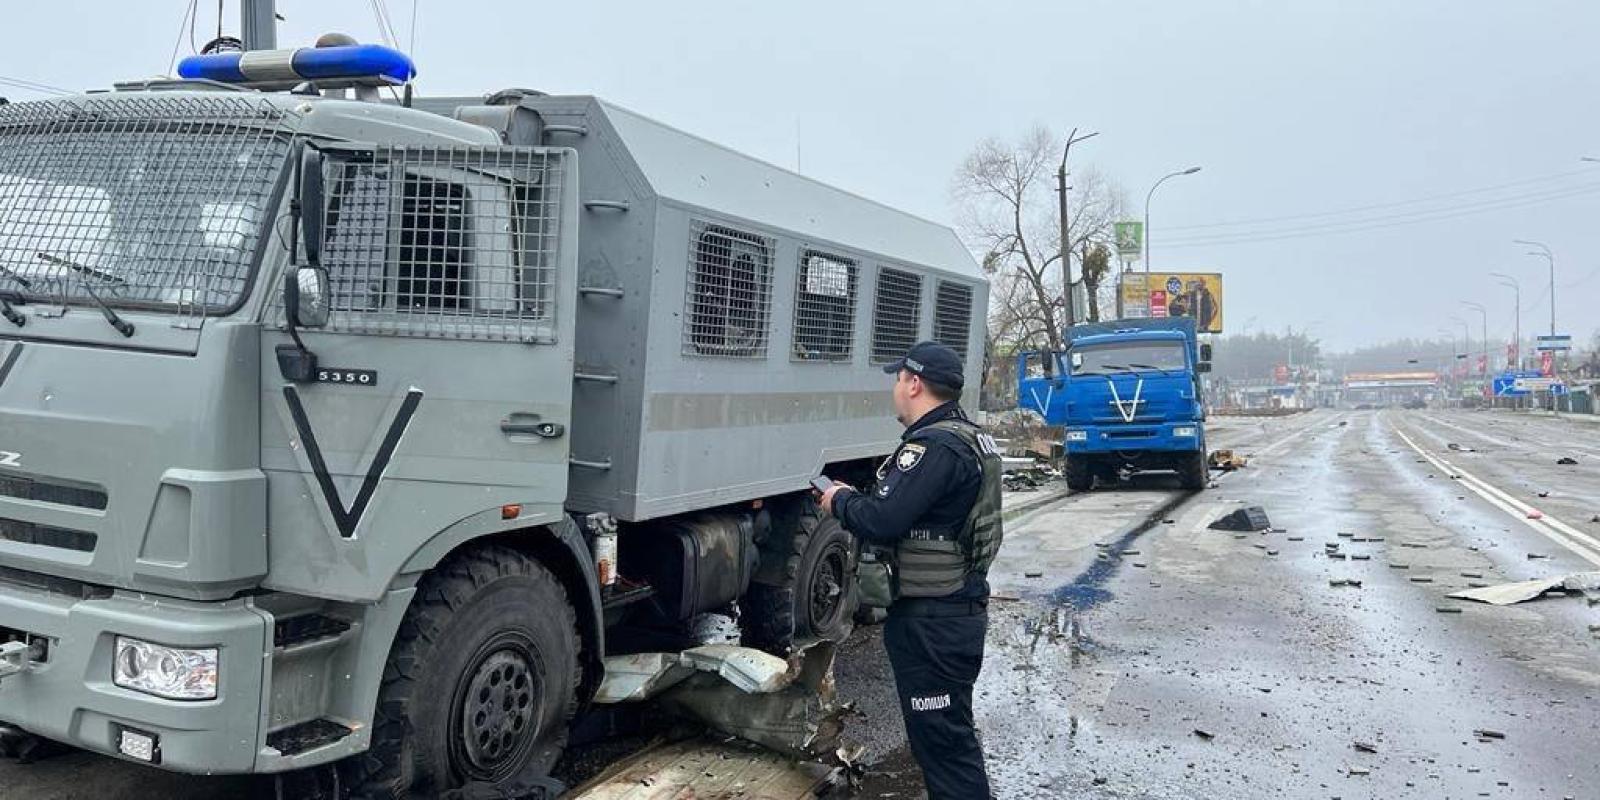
[[1365, 747], [1485, 733], [1227, 460], [1352, 582], [1252, 518], [1204, 734], [1460, 448], [1506, 594], [1567, 461]]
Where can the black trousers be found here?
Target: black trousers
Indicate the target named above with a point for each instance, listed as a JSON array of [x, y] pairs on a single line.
[[936, 651]]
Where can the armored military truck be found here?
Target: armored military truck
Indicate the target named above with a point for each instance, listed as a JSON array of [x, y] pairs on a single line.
[[338, 429]]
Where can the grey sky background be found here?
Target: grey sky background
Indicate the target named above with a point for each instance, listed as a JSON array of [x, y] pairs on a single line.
[[1292, 108]]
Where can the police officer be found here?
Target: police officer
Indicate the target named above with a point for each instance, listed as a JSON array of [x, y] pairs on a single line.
[[936, 507]]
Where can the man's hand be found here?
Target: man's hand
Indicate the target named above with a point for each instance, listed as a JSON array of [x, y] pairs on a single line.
[[827, 497]]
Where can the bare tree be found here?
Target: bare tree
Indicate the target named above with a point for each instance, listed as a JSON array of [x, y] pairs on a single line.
[[1007, 209]]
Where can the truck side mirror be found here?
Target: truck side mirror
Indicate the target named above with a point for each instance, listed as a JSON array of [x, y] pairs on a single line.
[[1205, 352], [310, 200], [307, 297], [1204, 366]]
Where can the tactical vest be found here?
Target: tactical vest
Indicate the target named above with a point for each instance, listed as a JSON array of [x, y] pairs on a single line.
[[934, 563]]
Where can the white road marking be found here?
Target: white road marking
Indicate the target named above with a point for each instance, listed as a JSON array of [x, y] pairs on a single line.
[[1470, 432], [1580, 543], [1307, 428]]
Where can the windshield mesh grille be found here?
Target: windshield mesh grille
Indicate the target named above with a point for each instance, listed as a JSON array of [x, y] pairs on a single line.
[[144, 200]]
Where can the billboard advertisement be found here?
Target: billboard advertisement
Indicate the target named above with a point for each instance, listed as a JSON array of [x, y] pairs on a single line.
[[1175, 294]]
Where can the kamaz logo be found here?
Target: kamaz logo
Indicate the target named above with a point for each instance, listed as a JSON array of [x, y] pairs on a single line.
[[10, 459]]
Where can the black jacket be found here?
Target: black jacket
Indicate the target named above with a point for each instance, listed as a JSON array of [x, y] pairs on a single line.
[[931, 481]]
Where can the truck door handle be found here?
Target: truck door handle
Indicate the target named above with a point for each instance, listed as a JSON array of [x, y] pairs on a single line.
[[529, 425]]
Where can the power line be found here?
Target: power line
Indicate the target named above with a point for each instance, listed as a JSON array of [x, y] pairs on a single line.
[[1378, 206], [1379, 222], [33, 86], [187, 21]]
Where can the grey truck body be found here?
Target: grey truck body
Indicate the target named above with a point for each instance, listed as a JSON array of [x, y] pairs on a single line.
[[172, 486]]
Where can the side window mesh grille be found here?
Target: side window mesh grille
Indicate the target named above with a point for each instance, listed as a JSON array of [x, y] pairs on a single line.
[[896, 314], [825, 307], [952, 316], [455, 243], [729, 296]]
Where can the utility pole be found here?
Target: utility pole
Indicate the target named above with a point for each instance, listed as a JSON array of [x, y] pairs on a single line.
[[1507, 280], [1066, 239], [258, 24]]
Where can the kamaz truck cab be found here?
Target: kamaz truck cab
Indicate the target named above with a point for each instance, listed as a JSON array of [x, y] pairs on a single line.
[[1129, 396]]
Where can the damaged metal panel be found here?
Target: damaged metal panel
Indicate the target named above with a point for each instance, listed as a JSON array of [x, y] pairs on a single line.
[[787, 706], [709, 770], [1506, 594]]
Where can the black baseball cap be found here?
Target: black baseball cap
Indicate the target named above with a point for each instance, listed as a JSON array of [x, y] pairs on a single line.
[[932, 362]]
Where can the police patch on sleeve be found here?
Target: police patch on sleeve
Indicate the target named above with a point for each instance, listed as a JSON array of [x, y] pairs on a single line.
[[909, 457]]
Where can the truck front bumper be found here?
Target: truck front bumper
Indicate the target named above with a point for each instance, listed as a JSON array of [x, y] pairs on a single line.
[[64, 690], [1123, 438]]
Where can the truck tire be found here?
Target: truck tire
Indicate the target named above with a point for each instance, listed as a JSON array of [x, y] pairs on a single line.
[[826, 595], [817, 597], [1193, 471], [481, 683], [1079, 476]]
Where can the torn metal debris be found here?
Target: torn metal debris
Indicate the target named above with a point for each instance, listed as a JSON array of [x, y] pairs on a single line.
[[1506, 594]]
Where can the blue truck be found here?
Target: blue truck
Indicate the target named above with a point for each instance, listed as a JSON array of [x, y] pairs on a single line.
[[1128, 396]]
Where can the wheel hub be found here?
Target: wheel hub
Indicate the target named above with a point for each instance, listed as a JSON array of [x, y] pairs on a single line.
[[497, 710], [827, 587]]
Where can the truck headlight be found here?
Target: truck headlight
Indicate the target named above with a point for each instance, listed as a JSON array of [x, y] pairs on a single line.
[[1186, 430], [175, 673], [1077, 436]]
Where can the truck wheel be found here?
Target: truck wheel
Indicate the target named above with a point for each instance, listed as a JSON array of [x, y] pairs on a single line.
[[481, 682], [1079, 477], [825, 588], [1193, 471], [817, 597]]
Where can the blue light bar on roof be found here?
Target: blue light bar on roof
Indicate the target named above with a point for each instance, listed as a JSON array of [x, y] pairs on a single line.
[[358, 64]]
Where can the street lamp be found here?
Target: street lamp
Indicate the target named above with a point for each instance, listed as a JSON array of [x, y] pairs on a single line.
[[1066, 240], [1544, 250], [1483, 366], [1507, 280], [1150, 194]]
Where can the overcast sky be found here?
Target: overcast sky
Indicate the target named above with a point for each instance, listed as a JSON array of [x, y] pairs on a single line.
[[1292, 107]]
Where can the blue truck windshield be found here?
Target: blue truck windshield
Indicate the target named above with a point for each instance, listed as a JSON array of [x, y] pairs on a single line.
[[143, 200], [1115, 357]]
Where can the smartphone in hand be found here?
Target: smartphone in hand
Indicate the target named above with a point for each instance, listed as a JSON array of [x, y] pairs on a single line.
[[821, 483]]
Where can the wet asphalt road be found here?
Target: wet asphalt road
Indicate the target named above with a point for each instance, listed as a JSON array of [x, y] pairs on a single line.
[[1191, 663]]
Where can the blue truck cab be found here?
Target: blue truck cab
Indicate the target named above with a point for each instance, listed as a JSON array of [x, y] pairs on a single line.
[[1129, 397]]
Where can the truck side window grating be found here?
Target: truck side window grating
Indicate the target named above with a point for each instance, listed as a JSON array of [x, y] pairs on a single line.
[[824, 307], [444, 242], [896, 314], [952, 316], [729, 295]]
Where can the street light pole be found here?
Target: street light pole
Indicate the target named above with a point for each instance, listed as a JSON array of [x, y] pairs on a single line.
[[1512, 282], [1544, 250], [1150, 194], [1066, 240], [1483, 366]]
